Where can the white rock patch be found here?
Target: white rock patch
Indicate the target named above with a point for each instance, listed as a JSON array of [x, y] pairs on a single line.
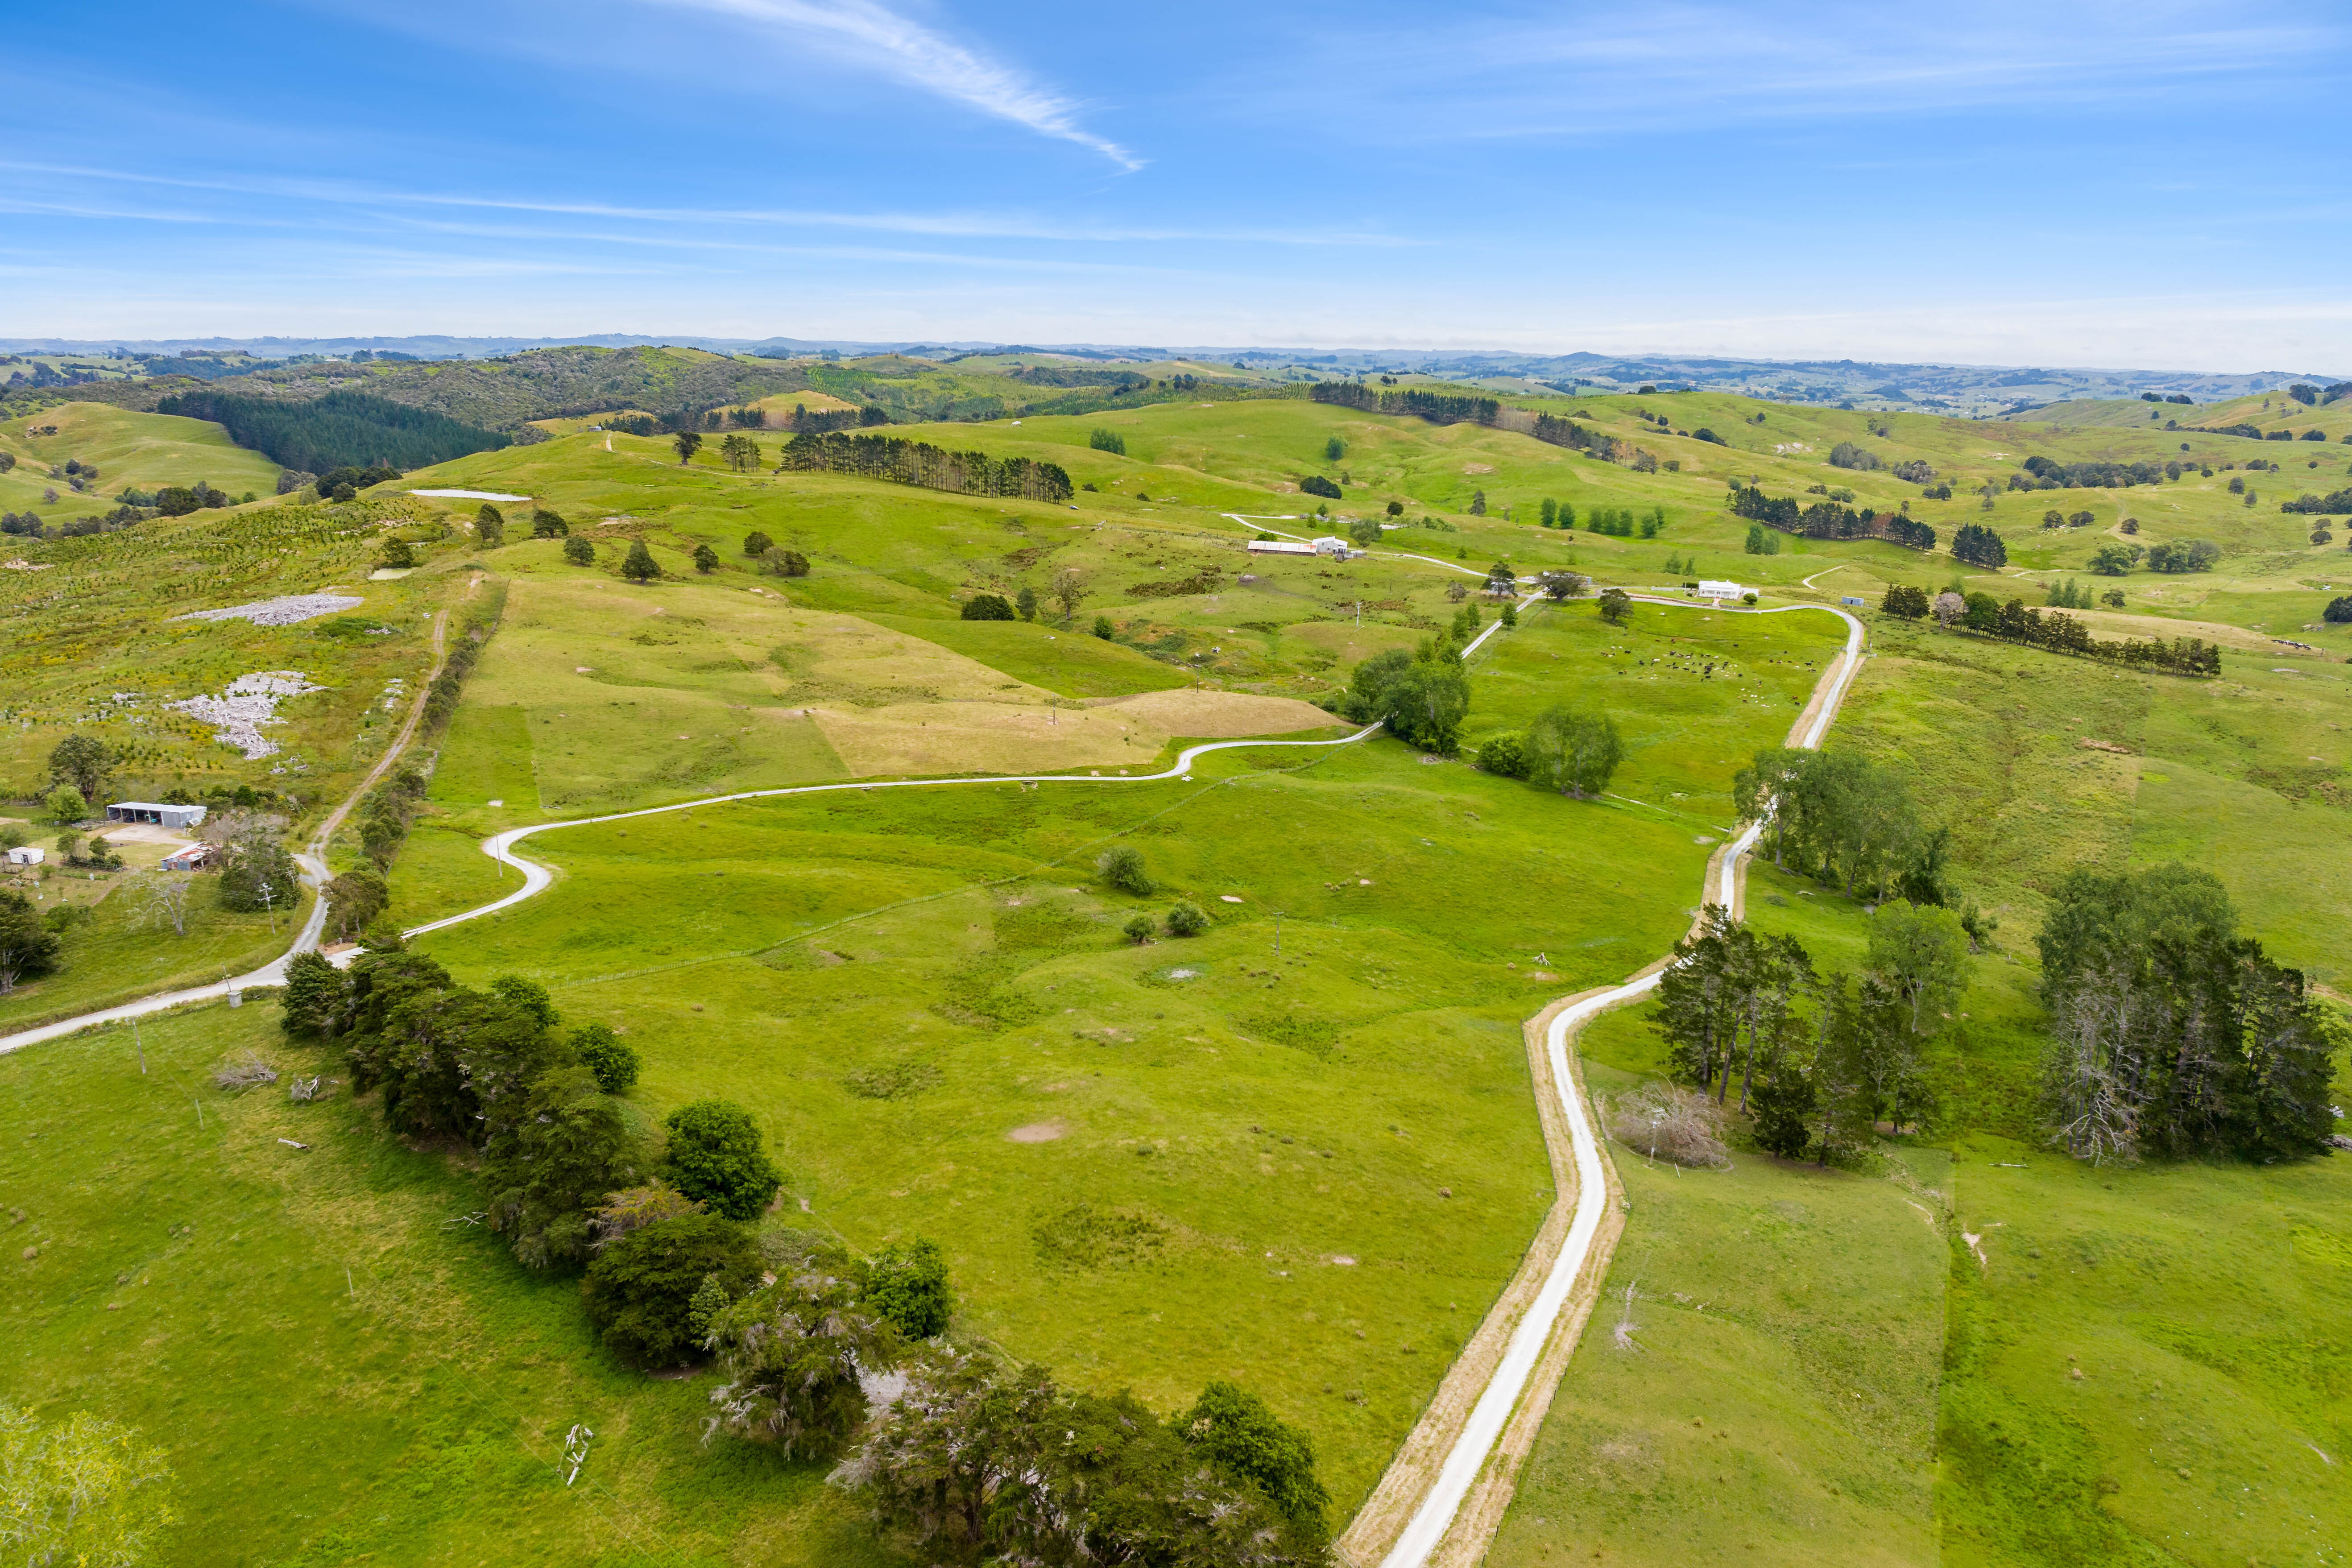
[[237, 714], [283, 612]]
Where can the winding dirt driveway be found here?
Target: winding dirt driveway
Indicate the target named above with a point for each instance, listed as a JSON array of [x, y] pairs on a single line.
[[1444, 1496]]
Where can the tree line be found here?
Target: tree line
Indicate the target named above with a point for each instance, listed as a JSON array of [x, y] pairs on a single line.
[[2055, 630], [2333, 502], [1818, 1060], [1558, 432], [1437, 407], [343, 430], [1827, 518], [920, 463], [2172, 1034]]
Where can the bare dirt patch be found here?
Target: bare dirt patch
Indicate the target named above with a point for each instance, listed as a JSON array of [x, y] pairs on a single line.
[[1037, 1132]]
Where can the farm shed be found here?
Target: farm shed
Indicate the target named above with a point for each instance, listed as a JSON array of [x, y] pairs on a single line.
[[160, 815]]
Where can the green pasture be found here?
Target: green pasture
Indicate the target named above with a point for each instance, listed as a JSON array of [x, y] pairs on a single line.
[[2143, 1364], [117, 955], [1768, 1392], [145, 450], [340, 1364]]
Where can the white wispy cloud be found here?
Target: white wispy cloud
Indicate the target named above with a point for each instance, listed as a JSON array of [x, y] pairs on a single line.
[[884, 41], [955, 224], [1680, 64]]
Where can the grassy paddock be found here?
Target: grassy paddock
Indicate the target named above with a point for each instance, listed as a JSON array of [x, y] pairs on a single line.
[[1777, 1387], [338, 1366]]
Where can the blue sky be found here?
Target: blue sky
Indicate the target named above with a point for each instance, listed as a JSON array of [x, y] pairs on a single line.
[[2155, 184]]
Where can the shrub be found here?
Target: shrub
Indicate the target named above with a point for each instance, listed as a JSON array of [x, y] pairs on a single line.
[[908, 1286], [1505, 756], [1122, 868], [640, 565], [1317, 485], [2338, 611], [988, 607], [641, 1287], [67, 803], [1139, 929], [717, 1157], [778, 562], [1103, 629], [579, 551], [1186, 920], [1661, 1121], [756, 544], [612, 1058], [1846, 455], [1103, 441]]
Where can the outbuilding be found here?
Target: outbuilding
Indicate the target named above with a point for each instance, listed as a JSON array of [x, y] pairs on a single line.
[[188, 859], [1279, 547], [160, 815], [26, 854]]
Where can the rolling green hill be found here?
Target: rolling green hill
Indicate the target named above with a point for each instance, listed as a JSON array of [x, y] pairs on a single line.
[[925, 999]]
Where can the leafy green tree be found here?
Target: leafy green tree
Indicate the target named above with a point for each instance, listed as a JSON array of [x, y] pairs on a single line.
[[1025, 603], [1334, 449], [1365, 531], [687, 444], [66, 805], [549, 1169], [85, 762], [908, 1285], [527, 997], [1562, 586], [1502, 579], [315, 996], [756, 544], [1615, 605], [604, 1053], [452, 1062], [354, 900], [28, 949], [1103, 441], [718, 1157], [1122, 868], [1921, 954], [578, 551], [546, 524], [1396, 508], [640, 566], [490, 526], [1477, 503], [1139, 929], [1550, 512], [640, 1287], [780, 561], [1104, 629], [710, 1299], [1234, 1429], [83, 1492], [987, 608], [706, 560], [1573, 750], [257, 874], [1068, 590], [979, 1461], [1784, 1102], [1186, 920], [792, 1354], [1426, 701]]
